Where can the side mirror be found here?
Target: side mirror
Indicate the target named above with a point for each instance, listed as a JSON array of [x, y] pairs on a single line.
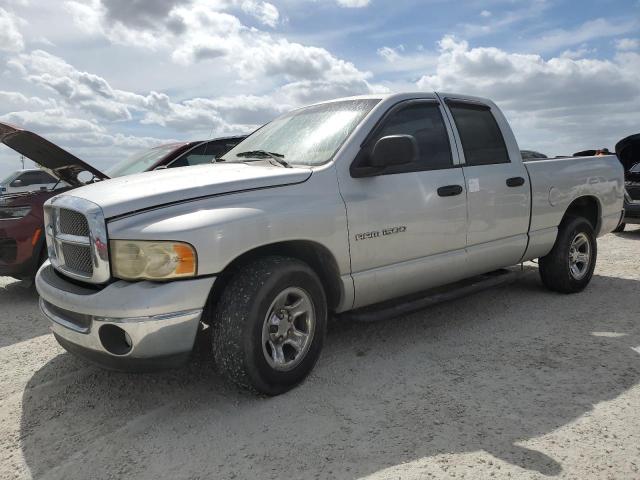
[[16, 183], [394, 150]]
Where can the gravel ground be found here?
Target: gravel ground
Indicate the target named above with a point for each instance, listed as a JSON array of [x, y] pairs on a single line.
[[514, 382]]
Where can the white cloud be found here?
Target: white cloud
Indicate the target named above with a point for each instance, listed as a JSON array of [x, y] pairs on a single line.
[[86, 91], [590, 30], [84, 138], [93, 95], [580, 52], [493, 22], [353, 3], [205, 31], [51, 120], [223, 67], [20, 101], [201, 30], [560, 103], [391, 54], [10, 37], [627, 44], [265, 12]]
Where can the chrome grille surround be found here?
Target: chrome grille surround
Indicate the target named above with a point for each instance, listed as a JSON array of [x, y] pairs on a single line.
[[77, 238]]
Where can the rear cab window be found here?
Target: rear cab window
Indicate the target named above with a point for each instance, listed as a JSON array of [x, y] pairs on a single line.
[[481, 137]]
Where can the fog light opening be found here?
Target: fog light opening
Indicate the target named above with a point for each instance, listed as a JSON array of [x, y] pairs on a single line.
[[115, 340]]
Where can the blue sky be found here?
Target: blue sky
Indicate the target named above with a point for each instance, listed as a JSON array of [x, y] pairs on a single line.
[[105, 78]]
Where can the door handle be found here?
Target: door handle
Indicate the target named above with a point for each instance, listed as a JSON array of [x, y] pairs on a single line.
[[450, 191], [515, 182]]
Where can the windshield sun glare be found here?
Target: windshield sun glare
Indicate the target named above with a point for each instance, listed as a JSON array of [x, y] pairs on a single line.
[[309, 136]]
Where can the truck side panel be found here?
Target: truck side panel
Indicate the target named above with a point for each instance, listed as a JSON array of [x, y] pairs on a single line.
[[556, 183]]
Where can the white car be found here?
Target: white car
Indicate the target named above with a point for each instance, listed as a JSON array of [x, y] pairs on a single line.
[[28, 180]]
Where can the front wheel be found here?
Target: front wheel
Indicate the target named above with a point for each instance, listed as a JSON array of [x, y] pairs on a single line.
[[269, 325], [569, 266]]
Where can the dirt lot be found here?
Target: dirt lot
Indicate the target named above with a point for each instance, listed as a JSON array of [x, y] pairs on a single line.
[[515, 382]]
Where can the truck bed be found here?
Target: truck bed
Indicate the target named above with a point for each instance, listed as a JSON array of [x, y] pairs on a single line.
[[556, 182]]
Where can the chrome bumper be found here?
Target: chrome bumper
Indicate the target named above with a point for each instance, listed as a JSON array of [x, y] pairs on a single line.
[[124, 325]]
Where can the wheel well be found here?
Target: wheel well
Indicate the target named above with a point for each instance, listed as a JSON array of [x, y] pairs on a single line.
[[317, 256], [585, 207]]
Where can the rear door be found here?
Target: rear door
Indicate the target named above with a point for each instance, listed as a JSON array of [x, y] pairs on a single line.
[[407, 223], [499, 198]]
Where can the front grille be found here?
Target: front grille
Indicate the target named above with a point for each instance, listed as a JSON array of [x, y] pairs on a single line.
[[77, 258], [73, 223], [8, 250]]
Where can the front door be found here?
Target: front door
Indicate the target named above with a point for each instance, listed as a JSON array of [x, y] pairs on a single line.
[[407, 224]]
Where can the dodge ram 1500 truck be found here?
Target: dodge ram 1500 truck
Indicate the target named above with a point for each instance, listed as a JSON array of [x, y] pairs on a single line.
[[329, 208]]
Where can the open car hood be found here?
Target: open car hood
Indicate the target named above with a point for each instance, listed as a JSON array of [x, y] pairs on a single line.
[[51, 157], [628, 151]]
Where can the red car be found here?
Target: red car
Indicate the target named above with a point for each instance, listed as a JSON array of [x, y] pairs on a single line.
[[22, 243]]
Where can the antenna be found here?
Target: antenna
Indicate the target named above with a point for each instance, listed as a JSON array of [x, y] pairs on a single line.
[[22, 160], [206, 146]]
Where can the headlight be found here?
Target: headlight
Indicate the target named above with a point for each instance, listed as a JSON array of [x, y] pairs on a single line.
[[146, 260], [14, 212]]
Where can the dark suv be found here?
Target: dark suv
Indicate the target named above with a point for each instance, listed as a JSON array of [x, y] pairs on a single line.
[[22, 244], [628, 151]]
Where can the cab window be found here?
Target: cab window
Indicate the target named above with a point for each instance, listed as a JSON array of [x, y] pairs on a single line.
[[482, 140], [424, 122]]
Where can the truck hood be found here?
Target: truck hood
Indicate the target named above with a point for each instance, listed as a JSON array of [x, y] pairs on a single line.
[[146, 190], [628, 151], [57, 161]]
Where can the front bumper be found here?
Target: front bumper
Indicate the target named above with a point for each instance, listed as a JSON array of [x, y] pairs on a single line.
[[124, 325]]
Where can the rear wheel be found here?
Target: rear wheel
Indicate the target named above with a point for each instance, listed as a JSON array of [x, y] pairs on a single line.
[[269, 325], [569, 266]]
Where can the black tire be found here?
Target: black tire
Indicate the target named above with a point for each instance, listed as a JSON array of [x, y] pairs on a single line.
[[555, 267], [240, 314], [620, 228]]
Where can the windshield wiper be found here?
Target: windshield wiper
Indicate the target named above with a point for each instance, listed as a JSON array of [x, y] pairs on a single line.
[[278, 157]]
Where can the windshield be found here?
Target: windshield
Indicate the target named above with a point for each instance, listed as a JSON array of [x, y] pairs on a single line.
[[141, 162], [309, 136]]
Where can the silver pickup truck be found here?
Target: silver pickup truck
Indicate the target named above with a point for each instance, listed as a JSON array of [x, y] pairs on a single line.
[[329, 208]]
